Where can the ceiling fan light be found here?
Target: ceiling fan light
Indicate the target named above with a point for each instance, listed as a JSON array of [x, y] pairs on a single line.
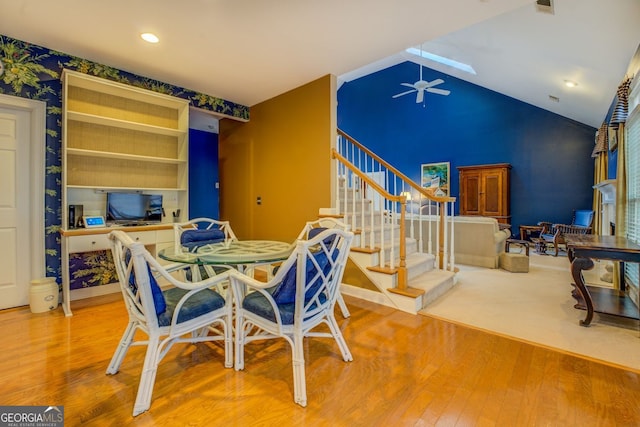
[[570, 83]]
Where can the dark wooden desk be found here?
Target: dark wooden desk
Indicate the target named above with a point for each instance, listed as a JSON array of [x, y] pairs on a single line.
[[582, 249]]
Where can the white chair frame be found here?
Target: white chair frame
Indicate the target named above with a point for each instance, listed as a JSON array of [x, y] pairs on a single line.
[[142, 315], [202, 224], [308, 314], [328, 223]]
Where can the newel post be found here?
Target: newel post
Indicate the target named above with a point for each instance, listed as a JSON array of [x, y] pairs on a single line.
[[441, 236]]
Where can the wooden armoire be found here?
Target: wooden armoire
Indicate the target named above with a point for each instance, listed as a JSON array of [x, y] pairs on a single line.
[[484, 191]]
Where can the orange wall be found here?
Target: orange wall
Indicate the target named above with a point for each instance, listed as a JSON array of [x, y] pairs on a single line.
[[282, 155]]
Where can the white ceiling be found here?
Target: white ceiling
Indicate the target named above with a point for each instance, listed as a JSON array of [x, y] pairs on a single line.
[[250, 51], [528, 55]]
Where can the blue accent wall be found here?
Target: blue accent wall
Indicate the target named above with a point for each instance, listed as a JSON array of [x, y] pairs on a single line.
[[552, 168], [203, 174]]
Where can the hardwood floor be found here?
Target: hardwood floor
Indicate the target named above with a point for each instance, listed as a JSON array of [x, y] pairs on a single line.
[[407, 371]]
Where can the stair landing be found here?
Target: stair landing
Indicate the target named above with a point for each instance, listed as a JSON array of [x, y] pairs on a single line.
[[434, 288]]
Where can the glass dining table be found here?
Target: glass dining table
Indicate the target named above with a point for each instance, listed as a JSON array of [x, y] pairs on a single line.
[[238, 254]]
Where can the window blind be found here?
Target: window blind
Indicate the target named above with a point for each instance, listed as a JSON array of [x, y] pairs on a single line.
[[632, 155]]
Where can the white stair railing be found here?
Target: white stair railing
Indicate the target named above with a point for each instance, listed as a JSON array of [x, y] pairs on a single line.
[[396, 207]]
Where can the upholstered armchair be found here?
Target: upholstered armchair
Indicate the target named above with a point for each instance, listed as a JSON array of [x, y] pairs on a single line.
[[554, 233]]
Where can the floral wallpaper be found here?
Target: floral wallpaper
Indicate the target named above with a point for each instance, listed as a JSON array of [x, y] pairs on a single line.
[[32, 71], [88, 269]]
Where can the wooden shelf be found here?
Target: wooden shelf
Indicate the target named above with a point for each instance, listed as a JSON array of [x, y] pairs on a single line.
[[123, 156], [608, 301], [123, 124], [133, 189], [119, 173]]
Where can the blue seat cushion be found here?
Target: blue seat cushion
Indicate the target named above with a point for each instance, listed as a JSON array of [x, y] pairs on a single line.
[[257, 303], [285, 292], [200, 303], [193, 239], [158, 298]]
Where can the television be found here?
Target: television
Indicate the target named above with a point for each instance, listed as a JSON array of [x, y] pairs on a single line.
[[134, 208]]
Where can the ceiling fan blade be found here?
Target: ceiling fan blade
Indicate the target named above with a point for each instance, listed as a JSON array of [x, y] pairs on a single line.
[[435, 82], [420, 96], [407, 85], [439, 91], [403, 93]]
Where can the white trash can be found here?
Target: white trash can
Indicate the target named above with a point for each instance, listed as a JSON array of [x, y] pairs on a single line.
[[43, 295]]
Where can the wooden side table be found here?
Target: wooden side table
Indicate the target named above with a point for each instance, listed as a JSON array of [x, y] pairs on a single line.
[[582, 250], [527, 230]]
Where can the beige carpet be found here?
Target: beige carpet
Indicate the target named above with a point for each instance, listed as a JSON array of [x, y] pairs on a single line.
[[537, 307]]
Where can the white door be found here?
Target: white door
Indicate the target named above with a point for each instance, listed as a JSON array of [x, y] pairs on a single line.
[[17, 252]]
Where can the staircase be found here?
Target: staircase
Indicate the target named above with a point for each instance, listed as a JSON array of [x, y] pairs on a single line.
[[403, 266]]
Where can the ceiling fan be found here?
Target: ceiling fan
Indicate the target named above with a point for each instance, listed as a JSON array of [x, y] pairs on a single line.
[[421, 86]]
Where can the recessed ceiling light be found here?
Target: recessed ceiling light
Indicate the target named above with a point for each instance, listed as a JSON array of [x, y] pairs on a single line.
[[150, 37], [570, 83]]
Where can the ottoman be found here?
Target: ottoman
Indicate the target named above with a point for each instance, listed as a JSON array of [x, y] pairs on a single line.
[[515, 263]]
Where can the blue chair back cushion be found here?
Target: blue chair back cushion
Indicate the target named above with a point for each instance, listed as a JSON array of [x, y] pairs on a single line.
[[315, 231], [285, 292], [193, 239], [158, 298], [583, 218], [200, 303], [257, 303]]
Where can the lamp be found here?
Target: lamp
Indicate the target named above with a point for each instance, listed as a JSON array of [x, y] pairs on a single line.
[[407, 195]]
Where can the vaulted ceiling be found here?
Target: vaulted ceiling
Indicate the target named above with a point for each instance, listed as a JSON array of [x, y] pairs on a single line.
[[249, 51]]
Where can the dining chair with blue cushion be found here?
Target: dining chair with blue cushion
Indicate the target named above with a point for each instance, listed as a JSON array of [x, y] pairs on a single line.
[[186, 312], [201, 231], [309, 231], [300, 297], [198, 232]]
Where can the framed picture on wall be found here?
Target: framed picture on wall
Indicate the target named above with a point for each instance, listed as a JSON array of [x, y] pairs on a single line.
[[436, 176]]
